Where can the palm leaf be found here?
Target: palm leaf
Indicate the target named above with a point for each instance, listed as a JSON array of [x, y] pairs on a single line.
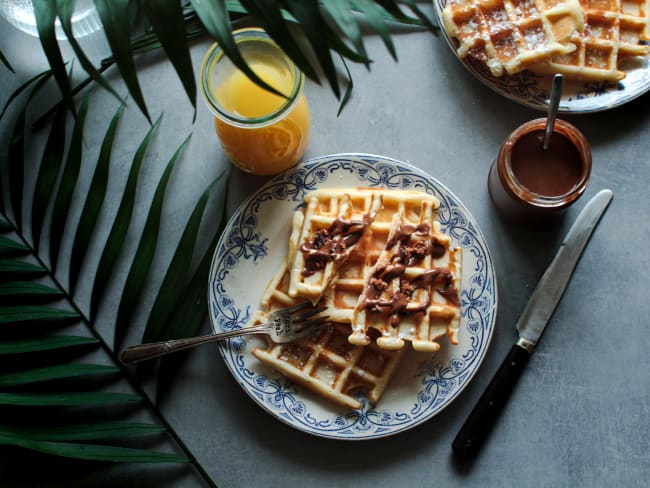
[[313, 25], [23, 87], [167, 21], [15, 268], [73, 399], [89, 451], [65, 9], [67, 184], [272, 19], [189, 313], [348, 89], [45, 14], [340, 14], [5, 226], [214, 16], [120, 226], [24, 313], [15, 164], [170, 291], [47, 175], [374, 14], [114, 15], [85, 432], [9, 247], [94, 201], [144, 254], [57, 372], [5, 61], [27, 288], [44, 344]]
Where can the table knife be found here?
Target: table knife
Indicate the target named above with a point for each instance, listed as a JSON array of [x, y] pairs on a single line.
[[530, 326]]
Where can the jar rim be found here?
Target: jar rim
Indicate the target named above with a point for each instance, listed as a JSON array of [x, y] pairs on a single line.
[[518, 191], [215, 54]]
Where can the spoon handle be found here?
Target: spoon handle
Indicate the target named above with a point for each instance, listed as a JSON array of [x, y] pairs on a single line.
[[553, 104]]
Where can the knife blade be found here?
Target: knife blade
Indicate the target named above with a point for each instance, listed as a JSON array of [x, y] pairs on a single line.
[[531, 324]]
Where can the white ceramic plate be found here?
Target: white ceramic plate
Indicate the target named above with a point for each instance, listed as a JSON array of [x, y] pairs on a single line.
[[533, 90], [251, 250]]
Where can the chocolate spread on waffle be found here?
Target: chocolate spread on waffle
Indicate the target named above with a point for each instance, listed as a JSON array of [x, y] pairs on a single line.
[[411, 253], [329, 244]]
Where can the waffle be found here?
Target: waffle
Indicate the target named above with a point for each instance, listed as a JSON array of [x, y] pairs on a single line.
[[344, 359], [511, 35], [324, 236], [613, 30], [326, 363], [411, 291]]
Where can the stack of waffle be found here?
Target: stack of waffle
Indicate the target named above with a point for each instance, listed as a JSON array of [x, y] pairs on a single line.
[[581, 39], [339, 249]]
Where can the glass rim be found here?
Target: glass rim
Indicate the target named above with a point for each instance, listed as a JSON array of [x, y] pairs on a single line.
[[215, 53]]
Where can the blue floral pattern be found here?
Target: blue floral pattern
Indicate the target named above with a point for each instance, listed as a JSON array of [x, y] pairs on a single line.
[[248, 255], [532, 90]]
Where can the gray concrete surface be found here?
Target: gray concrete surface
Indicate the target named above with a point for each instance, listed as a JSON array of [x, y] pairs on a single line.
[[579, 416]]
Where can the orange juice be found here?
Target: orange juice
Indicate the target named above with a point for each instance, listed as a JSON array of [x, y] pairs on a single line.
[[260, 132]]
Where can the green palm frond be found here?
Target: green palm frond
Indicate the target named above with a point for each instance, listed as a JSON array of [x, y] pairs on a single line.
[[50, 364], [332, 30], [5, 61]]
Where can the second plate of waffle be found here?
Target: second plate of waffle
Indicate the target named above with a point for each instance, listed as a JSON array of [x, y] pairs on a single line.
[[364, 375], [515, 46]]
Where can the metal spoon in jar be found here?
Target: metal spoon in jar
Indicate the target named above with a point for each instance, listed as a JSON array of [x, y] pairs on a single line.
[[553, 104]]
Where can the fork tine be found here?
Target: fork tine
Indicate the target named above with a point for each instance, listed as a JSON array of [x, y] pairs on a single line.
[[308, 314], [310, 323]]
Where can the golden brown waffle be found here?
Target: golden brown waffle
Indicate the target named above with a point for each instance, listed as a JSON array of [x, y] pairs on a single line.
[[336, 363], [326, 363], [411, 291], [323, 236], [511, 35], [613, 30]]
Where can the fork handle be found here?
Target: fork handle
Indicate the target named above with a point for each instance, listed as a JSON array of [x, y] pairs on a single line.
[[143, 352]]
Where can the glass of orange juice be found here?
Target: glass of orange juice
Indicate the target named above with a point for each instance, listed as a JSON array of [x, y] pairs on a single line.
[[260, 132]]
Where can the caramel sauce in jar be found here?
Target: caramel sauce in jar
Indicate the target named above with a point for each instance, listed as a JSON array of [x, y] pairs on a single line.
[[530, 184]]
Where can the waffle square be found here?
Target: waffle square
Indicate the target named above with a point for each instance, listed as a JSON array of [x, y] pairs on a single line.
[[613, 31], [324, 235], [511, 35], [411, 291]]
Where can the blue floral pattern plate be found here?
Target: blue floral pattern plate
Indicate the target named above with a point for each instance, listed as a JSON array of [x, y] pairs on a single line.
[[533, 90], [251, 250]]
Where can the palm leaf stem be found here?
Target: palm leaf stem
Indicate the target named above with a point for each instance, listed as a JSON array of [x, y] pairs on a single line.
[[125, 372]]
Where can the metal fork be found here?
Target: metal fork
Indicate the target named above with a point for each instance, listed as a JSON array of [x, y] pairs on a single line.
[[283, 325]]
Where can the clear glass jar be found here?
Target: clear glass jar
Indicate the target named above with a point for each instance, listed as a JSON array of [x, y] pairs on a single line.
[[260, 132], [530, 184], [20, 13]]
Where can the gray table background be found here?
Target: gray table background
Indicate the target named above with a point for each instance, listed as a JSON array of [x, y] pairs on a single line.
[[580, 414]]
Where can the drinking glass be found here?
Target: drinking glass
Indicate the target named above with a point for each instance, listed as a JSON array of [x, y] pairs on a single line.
[[20, 13], [260, 132]]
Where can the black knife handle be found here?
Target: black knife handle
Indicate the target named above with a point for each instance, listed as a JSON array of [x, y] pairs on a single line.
[[480, 421]]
